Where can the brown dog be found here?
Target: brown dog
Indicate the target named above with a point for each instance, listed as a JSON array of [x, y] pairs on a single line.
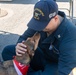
[[7, 67]]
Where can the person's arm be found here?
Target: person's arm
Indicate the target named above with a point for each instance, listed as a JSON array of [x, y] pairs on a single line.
[[20, 47], [28, 33], [67, 57]]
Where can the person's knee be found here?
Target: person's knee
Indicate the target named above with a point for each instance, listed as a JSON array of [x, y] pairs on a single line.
[[8, 52], [5, 51]]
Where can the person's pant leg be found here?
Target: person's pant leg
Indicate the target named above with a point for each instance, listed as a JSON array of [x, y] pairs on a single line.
[[40, 66], [50, 69], [8, 52]]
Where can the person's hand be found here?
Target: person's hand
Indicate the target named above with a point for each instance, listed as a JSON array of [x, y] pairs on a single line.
[[20, 49]]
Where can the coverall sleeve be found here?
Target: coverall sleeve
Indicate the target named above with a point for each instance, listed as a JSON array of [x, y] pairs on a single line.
[[28, 33], [67, 57]]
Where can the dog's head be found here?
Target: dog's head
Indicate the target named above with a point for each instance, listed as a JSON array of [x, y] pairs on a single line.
[[31, 43]]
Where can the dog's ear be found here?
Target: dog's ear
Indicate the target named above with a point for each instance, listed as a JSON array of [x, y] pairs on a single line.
[[36, 39]]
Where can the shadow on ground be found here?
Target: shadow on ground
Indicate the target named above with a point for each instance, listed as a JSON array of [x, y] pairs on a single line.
[[7, 38], [62, 0], [27, 1], [20, 2]]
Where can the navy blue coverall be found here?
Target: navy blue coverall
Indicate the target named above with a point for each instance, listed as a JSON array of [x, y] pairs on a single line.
[[55, 55]]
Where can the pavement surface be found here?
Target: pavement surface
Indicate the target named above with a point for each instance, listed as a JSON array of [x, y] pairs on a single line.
[[19, 13]]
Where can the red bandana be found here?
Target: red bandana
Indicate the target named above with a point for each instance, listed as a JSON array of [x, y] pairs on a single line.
[[20, 68]]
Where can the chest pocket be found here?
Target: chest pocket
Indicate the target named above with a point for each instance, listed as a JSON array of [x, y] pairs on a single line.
[[54, 46], [53, 53], [50, 46], [54, 50], [51, 50]]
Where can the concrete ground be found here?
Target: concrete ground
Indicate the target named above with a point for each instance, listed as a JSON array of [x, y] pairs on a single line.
[[19, 14]]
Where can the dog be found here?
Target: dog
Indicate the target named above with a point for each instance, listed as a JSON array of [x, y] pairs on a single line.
[[8, 67]]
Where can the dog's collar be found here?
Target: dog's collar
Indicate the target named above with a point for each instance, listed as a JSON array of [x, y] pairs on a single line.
[[21, 69]]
